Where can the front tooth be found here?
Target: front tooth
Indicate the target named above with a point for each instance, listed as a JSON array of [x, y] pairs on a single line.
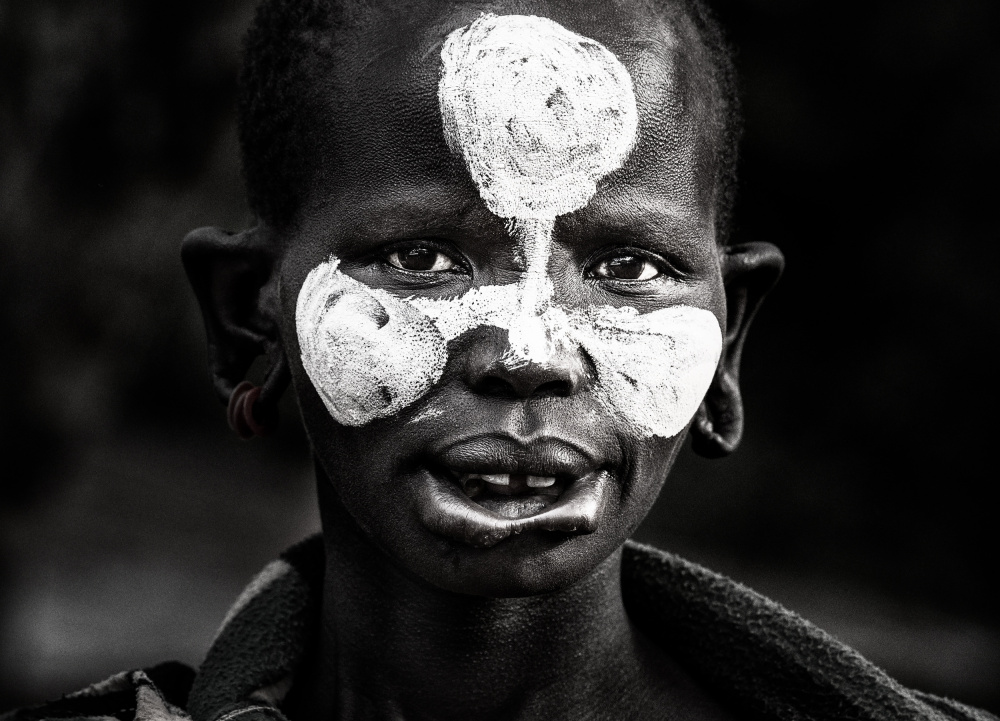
[[498, 479], [540, 481]]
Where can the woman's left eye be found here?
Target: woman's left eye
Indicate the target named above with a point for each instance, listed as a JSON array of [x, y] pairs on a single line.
[[626, 267], [421, 259]]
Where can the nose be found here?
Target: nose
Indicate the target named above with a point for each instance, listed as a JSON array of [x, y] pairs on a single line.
[[490, 372]]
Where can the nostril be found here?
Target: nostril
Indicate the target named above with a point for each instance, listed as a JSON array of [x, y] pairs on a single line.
[[494, 386], [560, 388], [524, 382]]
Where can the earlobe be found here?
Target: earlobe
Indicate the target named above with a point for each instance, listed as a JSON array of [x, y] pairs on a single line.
[[749, 271], [234, 278]]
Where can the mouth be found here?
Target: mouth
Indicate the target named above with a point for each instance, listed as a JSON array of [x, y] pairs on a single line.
[[486, 489]]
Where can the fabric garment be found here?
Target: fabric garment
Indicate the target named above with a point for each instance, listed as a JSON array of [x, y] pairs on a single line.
[[764, 660]]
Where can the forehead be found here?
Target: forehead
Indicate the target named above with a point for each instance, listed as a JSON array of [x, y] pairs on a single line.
[[382, 135]]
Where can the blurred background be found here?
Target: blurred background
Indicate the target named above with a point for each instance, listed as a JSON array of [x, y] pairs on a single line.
[[130, 517]]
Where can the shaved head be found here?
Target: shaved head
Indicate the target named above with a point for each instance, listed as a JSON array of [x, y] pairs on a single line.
[[306, 60]]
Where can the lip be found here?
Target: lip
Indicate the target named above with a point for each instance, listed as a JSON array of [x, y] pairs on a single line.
[[572, 506], [546, 456]]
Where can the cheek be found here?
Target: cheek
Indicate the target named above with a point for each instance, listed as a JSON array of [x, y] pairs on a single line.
[[653, 370], [368, 354]]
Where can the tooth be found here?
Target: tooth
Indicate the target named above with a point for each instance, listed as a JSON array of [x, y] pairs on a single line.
[[540, 481], [498, 479]]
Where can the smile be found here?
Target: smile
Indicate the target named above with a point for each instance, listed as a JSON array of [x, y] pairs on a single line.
[[486, 489]]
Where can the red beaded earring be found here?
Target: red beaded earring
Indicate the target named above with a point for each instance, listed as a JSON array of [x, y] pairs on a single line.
[[240, 412]]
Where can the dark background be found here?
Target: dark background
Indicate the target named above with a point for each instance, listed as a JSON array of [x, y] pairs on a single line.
[[130, 517]]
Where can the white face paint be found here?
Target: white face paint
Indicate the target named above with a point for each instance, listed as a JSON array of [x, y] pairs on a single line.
[[368, 353], [540, 115]]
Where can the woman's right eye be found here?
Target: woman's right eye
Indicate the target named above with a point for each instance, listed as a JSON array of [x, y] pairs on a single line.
[[421, 259]]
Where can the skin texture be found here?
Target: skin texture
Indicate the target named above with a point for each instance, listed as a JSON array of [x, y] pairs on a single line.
[[420, 622], [540, 115]]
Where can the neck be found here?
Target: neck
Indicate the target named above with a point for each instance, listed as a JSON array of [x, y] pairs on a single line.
[[393, 646]]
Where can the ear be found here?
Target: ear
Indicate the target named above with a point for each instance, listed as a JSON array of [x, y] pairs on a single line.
[[234, 277], [749, 271]]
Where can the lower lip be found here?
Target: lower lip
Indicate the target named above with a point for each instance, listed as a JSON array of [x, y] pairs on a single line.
[[445, 510]]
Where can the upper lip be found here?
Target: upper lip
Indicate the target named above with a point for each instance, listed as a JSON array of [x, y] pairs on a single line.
[[500, 453]]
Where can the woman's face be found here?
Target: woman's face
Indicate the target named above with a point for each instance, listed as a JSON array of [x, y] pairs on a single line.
[[502, 303]]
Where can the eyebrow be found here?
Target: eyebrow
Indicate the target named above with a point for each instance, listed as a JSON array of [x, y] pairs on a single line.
[[413, 209], [410, 209], [413, 200], [652, 221]]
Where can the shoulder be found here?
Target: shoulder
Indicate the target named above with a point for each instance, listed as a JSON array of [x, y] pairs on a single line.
[[760, 656], [158, 693]]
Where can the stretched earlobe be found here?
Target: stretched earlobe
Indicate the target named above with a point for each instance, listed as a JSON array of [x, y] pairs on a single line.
[[233, 276], [718, 424], [749, 271]]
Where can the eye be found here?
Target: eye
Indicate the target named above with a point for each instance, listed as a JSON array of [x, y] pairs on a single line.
[[626, 266], [421, 259]]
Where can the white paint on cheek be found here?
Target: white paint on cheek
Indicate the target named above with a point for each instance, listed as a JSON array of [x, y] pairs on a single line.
[[653, 369], [368, 353]]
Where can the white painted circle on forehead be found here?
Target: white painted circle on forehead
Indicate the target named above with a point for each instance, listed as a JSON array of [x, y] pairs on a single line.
[[539, 113]]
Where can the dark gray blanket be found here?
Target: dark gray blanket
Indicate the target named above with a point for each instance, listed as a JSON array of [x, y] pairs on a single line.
[[763, 660]]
